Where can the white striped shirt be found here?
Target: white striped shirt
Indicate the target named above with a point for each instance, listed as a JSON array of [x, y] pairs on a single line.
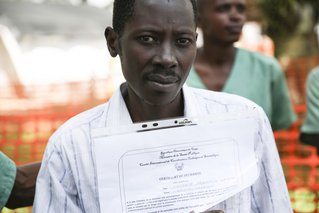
[[67, 181]]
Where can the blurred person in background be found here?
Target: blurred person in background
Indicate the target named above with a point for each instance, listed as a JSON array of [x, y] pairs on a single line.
[[220, 66], [17, 183], [310, 128], [252, 38]]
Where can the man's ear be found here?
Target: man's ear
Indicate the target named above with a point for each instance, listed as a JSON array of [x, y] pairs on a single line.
[[112, 41], [199, 21]]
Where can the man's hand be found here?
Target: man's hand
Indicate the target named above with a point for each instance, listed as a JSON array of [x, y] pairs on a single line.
[[23, 190]]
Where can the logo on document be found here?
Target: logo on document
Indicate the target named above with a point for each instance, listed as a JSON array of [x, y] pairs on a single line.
[[185, 122], [179, 166]]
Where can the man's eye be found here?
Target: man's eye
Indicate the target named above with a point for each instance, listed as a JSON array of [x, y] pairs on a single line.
[[223, 8], [147, 39], [184, 41], [241, 8]]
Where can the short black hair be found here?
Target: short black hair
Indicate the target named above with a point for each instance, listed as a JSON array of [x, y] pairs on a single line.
[[123, 10], [200, 5]]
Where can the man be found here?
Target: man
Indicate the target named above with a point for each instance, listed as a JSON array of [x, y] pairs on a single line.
[[17, 184], [219, 66], [156, 42], [310, 128]]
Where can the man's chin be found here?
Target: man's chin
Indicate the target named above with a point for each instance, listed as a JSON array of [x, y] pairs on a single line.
[[160, 99]]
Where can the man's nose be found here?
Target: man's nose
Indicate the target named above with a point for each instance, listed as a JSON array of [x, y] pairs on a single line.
[[235, 14], [165, 56]]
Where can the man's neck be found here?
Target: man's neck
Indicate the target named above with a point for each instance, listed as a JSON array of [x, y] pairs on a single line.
[[217, 53], [141, 111]]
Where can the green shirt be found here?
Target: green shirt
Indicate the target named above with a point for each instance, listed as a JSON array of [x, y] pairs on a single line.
[[7, 177], [311, 123], [260, 79]]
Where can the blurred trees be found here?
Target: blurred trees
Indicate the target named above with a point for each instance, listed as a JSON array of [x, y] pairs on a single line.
[[289, 23]]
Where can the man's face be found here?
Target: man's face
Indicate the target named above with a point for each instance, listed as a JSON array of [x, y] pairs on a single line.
[[222, 20], [157, 49]]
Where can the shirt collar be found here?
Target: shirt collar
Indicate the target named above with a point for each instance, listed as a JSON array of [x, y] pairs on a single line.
[[117, 114]]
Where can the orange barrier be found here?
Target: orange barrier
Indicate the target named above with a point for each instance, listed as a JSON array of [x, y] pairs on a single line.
[[52, 96], [296, 71], [24, 136], [26, 124], [300, 162], [301, 168]]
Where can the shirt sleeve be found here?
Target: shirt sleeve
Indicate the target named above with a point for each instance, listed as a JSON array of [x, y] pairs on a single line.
[[269, 193], [7, 178], [311, 123], [56, 189], [283, 114]]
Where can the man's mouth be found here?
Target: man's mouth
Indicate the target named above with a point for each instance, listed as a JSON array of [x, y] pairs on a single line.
[[162, 78], [236, 29]]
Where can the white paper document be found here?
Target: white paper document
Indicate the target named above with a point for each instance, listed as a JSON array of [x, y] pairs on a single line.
[[176, 169]]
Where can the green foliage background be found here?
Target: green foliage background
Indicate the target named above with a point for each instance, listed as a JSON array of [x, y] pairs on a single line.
[[289, 23]]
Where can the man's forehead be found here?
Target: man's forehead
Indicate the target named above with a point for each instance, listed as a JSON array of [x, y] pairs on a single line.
[[207, 2], [177, 10], [158, 3]]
